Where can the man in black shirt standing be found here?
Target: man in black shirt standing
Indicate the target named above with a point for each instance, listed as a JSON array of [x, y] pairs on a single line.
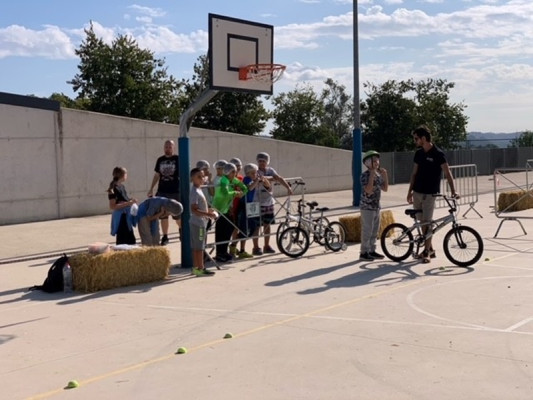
[[429, 163], [167, 174]]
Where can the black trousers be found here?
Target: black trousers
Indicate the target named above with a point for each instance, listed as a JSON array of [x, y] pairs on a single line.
[[223, 230], [124, 234]]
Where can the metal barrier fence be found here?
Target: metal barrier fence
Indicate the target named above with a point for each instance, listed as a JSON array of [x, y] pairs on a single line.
[[517, 179], [400, 164], [466, 185]]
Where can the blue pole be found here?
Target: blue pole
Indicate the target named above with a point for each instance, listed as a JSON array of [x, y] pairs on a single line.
[[185, 165], [357, 165], [357, 146], [186, 252]]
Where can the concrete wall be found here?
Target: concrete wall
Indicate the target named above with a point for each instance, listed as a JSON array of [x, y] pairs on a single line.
[[58, 164]]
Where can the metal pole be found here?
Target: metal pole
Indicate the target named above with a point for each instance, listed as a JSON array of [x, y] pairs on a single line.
[[183, 151], [357, 148]]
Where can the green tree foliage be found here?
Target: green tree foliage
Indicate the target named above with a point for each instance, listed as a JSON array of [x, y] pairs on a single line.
[[67, 102], [298, 117], [392, 110], [235, 112], [304, 116], [524, 140], [338, 112], [122, 79]]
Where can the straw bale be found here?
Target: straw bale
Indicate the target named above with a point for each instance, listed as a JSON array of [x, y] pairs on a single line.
[[352, 223], [93, 272], [522, 199]]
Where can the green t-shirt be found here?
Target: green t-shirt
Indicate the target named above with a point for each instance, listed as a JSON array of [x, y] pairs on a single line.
[[225, 193]]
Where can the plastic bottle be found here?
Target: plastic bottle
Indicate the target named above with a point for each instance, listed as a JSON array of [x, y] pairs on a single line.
[[67, 278]]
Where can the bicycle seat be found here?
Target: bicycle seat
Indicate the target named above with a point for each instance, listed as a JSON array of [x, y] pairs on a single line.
[[312, 204], [322, 209], [412, 213]]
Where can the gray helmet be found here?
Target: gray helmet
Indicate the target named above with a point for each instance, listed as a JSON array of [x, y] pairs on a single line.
[[203, 164]]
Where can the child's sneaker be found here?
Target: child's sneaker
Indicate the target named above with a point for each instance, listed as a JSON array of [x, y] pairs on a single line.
[[164, 240], [366, 257], [269, 250], [233, 250], [377, 256], [243, 254], [202, 272], [257, 251]]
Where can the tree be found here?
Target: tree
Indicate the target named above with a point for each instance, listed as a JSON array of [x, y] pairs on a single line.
[[446, 121], [387, 117], [67, 102], [338, 112], [236, 112], [392, 110], [298, 117], [525, 139], [122, 79]]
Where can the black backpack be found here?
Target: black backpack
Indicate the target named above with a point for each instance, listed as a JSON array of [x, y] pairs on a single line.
[[54, 280]]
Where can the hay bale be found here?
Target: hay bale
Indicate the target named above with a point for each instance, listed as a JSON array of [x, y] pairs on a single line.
[[352, 223], [93, 272], [516, 200]]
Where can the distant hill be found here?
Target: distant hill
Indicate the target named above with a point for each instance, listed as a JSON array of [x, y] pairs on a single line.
[[490, 139]]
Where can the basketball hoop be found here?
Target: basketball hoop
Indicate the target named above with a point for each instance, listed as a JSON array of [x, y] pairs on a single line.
[[265, 73]]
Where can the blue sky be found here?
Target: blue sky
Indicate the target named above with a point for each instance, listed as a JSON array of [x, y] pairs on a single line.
[[484, 46]]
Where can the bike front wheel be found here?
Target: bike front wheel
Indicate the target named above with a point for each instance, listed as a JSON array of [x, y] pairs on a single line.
[[335, 236], [463, 246], [397, 242], [293, 241]]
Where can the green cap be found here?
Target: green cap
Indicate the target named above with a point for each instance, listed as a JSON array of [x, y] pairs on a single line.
[[370, 153]]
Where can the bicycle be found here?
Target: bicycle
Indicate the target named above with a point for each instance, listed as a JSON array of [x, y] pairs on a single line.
[[294, 241], [462, 245], [318, 224]]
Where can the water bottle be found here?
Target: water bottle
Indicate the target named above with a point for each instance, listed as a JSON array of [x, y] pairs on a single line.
[[67, 278]]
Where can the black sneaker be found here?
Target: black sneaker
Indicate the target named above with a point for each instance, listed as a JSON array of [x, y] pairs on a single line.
[[366, 257], [221, 259], [377, 256], [164, 240]]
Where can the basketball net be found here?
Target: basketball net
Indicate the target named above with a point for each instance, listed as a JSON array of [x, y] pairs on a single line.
[[265, 73]]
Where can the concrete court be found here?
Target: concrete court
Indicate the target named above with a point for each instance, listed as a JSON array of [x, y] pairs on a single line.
[[320, 327]]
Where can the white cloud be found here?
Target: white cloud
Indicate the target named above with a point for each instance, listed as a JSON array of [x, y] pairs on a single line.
[[161, 39], [148, 11], [50, 42]]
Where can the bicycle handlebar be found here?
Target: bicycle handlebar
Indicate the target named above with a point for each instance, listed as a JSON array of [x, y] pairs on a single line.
[[297, 183], [450, 200]]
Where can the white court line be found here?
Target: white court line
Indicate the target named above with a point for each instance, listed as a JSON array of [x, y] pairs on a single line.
[[411, 302], [489, 264], [460, 325], [519, 324]]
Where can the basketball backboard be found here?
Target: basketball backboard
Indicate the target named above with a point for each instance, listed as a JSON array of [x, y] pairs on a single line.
[[233, 44]]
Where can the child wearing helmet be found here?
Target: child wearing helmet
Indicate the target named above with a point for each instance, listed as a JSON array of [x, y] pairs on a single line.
[[373, 181]]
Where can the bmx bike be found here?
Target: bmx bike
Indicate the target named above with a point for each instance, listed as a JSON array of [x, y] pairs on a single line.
[[462, 245]]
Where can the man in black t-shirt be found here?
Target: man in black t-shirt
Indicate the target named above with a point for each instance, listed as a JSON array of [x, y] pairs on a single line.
[[429, 163], [167, 175]]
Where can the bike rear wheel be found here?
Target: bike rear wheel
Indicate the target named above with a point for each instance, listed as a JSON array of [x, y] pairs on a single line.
[[293, 241], [397, 242], [463, 246], [335, 236], [320, 225]]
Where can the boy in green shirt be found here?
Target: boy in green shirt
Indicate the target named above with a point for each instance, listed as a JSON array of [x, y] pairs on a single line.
[[227, 189]]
